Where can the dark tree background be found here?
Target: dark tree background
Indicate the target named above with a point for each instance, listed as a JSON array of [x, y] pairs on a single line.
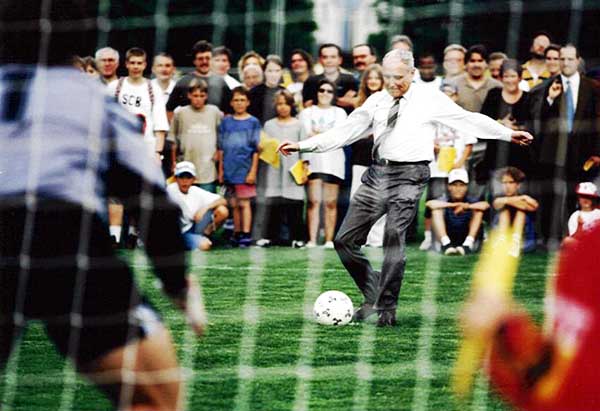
[[488, 22], [192, 20]]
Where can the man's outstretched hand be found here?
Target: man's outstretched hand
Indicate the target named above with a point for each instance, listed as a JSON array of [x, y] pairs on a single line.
[[522, 138], [287, 147]]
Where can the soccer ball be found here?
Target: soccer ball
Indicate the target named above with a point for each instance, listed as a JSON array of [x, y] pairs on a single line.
[[333, 308]]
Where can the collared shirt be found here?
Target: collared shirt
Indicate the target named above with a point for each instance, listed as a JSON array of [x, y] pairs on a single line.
[[574, 81], [532, 79], [412, 137], [471, 98], [167, 92]]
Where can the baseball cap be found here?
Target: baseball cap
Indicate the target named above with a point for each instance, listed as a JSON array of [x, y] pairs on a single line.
[[185, 167], [587, 189], [458, 174]]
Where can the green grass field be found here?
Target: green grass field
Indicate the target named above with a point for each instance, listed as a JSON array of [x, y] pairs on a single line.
[[262, 350]]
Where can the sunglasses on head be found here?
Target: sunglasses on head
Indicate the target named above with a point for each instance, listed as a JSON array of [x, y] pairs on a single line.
[[325, 90]]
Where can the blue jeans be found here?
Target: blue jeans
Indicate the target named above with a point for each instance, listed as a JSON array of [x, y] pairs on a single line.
[[391, 189], [195, 234]]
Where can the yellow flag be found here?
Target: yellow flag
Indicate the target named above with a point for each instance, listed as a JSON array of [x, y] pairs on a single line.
[[300, 172], [268, 149], [446, 158], [494, 274]]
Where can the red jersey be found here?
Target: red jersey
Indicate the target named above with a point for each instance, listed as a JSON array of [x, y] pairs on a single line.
[[559, 371]]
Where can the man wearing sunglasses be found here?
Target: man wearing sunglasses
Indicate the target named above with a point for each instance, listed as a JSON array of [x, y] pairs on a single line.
[[402, 119]]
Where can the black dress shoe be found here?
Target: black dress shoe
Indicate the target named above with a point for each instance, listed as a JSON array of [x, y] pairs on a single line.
[[387, 318], [363, 312]]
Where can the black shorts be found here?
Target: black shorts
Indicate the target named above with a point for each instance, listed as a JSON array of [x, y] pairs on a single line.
[[327, 178], [73, 283]]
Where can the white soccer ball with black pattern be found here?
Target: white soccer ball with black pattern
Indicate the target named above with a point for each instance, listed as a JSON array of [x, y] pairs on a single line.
[[333, 308]]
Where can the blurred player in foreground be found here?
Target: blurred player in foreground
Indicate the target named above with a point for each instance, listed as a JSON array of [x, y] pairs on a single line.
[[556, 369], [66, 148]]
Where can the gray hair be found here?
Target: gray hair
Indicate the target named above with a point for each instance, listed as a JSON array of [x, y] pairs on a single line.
[[252, 67], [404, 56], [455, 47], [402, 38], [106, 50]]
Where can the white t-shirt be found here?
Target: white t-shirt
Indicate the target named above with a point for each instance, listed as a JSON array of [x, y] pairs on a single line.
[[434, 84], [589, 219], [165, 93], [190, 203], [135, 98], [317, 120], [448, 137]]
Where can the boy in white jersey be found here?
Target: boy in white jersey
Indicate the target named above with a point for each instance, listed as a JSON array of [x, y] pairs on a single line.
[[140, 97]]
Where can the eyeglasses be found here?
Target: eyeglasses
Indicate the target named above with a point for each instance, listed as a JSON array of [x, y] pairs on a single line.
[[325, 90]]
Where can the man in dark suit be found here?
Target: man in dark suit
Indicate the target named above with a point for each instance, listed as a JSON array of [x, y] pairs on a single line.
[[568, 145]]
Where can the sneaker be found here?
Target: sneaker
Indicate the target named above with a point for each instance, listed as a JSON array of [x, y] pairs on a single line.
[[426, 244], [263, 242], [311, 244], [460, 250], [467, 249], [234, 241], [329, 245], [298, 244], [449, 250], [245, 241]]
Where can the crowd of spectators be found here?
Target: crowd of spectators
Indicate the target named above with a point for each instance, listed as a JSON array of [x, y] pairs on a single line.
[[216, 121]]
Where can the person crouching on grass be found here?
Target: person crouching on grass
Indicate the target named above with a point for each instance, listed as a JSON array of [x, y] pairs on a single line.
[[516, 210], [237, 143], [456, 218], [588, 213], [202, 212]]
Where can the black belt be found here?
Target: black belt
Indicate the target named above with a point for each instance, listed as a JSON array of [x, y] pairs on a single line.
[[385, 162]]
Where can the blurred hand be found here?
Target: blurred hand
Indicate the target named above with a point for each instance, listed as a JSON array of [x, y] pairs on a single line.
[[522, 138], [193, 307], [287, 147], [555, 90], [251, 178]]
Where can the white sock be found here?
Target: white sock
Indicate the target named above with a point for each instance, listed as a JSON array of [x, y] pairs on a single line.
[[445, 240], [115, 230], [133, 230], [469, 241], [427, 235]]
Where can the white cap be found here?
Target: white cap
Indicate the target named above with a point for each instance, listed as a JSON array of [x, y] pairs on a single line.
[[458, 174], [587, 189], [185, 167]]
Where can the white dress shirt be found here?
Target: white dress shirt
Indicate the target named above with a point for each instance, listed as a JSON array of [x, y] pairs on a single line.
[[413, 135]]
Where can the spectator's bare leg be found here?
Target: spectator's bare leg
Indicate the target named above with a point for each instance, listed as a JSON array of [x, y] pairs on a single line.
[[438, 223], [315, 195], [504, 220], [475, 223], [330, 197], [220, 214], [237, 216], [246, 214]]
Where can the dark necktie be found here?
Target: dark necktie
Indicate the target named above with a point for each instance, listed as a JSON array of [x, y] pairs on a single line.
[[391, 122]]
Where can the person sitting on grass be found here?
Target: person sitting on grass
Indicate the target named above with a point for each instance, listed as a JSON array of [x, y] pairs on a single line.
[[202, 212], [516, 209], [456, 218], [588, 213]]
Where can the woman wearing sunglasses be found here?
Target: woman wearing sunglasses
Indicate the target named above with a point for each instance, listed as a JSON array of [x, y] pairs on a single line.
[[327, 169]]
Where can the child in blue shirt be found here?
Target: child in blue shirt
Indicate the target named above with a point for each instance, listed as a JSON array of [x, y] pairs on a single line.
[[238, 139]]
